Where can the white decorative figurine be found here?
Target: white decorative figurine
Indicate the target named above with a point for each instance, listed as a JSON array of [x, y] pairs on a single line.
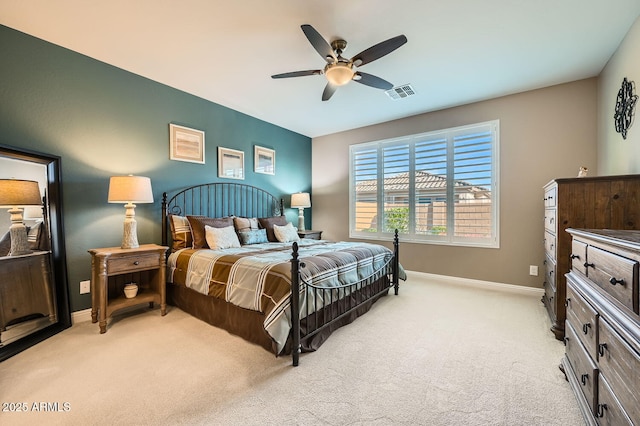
[[583, 171]]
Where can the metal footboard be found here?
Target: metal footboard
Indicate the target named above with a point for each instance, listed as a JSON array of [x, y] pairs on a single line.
[[325, 306]]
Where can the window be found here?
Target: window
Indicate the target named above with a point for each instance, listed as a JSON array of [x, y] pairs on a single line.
[[436, 187]]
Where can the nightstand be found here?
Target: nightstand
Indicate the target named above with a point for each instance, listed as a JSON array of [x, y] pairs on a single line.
[[312, 235], [112, 268]]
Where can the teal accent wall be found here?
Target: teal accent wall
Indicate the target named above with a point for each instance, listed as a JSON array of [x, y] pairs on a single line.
[[104, 121]]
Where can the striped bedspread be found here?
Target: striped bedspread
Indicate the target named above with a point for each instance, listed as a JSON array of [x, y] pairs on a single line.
[[258, 277]]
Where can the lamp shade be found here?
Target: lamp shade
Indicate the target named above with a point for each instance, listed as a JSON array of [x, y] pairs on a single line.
[[16, 192], [300, 200], [130, 189]]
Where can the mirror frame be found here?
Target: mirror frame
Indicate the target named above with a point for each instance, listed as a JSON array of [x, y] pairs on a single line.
[[58, 252]]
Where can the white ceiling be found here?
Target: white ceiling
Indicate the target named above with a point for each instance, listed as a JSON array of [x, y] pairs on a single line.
[[459, 51]]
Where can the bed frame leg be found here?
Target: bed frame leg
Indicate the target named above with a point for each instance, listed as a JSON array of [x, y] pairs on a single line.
[[295, 306], [396, 262]]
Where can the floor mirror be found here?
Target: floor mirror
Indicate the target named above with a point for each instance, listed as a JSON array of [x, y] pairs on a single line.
[[34, 301]]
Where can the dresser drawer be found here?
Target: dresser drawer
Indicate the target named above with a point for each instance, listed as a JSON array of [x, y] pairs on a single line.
[[583, 319], [549, 299], [583, 366], [550, 197], [550, 244], [550, 273], [119, 265], [578, 256], [620, 365], [609, 410], [550, 220], [615, 274]]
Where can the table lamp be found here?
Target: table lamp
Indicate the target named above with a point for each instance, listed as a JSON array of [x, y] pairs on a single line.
[[15, 193], [129, 190], [300, 200]]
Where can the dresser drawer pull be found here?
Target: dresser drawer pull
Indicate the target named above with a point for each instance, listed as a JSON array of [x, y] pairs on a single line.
[[136, 263], [601, 348], [567, 302], [589, 265], [575, 256], [584, 379], [585, 328], [601, 410], [565, 340], [615, 281]]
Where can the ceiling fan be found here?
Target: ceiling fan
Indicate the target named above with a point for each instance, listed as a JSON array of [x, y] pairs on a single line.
[[339, 71]]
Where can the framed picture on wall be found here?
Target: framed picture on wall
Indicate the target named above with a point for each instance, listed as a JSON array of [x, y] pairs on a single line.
[[186, 144], [264, 160], [230, 163]]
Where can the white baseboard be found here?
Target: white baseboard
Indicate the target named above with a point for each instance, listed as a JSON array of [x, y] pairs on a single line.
[[480, 283], [81, 316], [85, 314]]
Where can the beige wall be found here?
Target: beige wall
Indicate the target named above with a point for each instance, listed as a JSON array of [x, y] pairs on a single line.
[[544, 134], [617, 155]]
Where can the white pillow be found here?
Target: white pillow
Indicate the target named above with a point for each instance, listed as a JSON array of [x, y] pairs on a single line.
[[221, 238], [286, 234]]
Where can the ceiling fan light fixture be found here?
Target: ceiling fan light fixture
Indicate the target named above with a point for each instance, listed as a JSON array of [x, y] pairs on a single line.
[[339, 74]]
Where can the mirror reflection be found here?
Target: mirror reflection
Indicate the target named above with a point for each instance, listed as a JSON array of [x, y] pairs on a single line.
[[28, 299]]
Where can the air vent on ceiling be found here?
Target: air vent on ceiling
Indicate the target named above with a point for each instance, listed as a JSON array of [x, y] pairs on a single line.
[[399, 92]]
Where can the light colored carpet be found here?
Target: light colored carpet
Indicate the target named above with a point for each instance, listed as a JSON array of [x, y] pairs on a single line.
[[437, 354]]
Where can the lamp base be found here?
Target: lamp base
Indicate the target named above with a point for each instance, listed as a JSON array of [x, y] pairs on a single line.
[[18, 233], [301, 219], [130, 235], [19, 242]]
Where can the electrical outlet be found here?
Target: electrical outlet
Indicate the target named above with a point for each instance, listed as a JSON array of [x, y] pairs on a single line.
[[85, 287], [533, 270]]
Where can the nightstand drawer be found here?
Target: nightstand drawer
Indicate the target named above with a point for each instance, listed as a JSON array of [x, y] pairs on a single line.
[[119, 265], [615, 274]]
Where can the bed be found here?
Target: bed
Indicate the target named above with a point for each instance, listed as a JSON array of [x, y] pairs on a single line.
[[236, 263]]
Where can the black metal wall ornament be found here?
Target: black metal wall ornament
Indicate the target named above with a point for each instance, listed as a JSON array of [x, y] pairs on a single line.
[[625, 104]]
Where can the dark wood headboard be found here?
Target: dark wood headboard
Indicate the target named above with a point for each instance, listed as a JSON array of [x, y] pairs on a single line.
[[219, 200]]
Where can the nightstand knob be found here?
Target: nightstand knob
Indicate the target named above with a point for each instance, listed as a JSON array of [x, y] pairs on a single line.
[[136, 263]]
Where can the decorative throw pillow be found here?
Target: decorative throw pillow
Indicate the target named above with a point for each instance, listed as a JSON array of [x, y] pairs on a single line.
[[221, 238], [197, 228], [33, 235], [180, 232], [254, 236], [286, 234], [268, 222], [245, 223]]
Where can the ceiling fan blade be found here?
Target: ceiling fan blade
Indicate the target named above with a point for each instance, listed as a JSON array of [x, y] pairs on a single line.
[[378, 51], [318, 42], [329, 90], [297, 74], [371, 80]]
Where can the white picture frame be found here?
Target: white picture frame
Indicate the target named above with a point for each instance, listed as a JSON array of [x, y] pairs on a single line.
[[186, 144], [230, 163], [264, 160]]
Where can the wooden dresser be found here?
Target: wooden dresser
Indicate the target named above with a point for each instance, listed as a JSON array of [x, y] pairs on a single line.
[[592, 202], [602, 361]]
